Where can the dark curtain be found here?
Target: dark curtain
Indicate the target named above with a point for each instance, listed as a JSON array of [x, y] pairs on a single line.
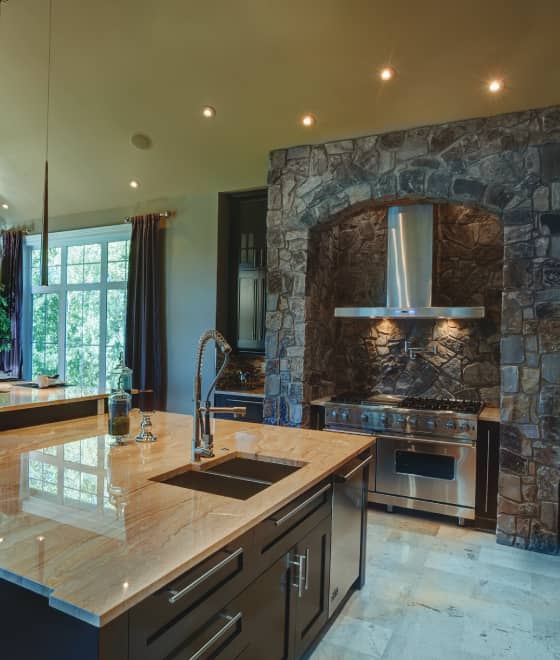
[[145, 305], [12, 279]]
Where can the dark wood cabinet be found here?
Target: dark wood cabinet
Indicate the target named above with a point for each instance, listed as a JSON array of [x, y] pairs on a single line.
[[487, 467], [241, 301], [264, 595], [310, 609], [253, 404], [267, 608]]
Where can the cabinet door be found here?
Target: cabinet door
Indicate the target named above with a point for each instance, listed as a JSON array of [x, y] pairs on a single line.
[[266, 607], [251, 309], [310, 586], [487, 466]]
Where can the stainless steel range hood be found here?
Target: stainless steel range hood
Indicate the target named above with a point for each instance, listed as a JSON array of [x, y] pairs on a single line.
[[409, 271]]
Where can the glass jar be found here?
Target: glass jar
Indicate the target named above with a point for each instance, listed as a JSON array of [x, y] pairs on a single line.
[[119, 406], [121, 377]]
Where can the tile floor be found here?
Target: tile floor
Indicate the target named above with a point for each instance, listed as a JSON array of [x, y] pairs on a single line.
[[437, 591]]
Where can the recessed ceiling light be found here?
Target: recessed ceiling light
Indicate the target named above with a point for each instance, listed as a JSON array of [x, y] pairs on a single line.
[[40, 539], [5, 206], [308, 120], [134, 183], [208, 111], [387, 73], [496, 85]]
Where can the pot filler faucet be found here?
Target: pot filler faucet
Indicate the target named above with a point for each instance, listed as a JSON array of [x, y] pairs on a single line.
[[203, 440]]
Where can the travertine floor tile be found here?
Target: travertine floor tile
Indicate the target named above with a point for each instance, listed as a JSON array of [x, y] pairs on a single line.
[[438, 591]]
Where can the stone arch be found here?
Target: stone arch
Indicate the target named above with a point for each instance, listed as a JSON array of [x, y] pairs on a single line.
[[508, 165]]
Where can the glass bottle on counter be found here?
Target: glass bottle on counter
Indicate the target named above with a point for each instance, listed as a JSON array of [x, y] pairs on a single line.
[[121, 377], [119, 404]]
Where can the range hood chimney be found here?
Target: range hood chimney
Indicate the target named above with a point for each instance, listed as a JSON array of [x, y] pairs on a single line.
[[409, 271]]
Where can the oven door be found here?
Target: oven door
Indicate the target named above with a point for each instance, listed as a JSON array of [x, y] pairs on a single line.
[[435, 471]]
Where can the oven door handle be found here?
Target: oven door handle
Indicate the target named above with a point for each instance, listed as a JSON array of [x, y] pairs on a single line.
[[431, 441], [347, 432]]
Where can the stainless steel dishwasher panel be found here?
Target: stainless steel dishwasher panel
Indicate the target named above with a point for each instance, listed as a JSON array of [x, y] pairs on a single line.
[[349, 498]]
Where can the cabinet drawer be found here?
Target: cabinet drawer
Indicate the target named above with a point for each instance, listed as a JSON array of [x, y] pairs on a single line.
[[254, 406], [168, 620], [281, 531]]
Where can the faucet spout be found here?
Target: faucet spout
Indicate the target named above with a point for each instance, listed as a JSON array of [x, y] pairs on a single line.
[[203, 440]]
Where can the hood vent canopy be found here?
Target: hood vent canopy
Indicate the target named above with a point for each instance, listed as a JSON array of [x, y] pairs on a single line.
[[409, 271]]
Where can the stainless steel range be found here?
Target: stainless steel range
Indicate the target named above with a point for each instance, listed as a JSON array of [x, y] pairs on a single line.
[[426, 449]]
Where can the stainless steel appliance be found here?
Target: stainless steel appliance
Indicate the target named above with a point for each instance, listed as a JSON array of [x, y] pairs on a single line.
[[409, 270], [347, 510], [425, 450]]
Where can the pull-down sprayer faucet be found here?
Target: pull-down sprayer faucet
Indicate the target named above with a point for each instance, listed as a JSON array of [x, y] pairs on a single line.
[[203, 440]]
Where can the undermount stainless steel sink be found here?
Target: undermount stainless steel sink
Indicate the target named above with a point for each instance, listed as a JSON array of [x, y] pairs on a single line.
[[240, 478]]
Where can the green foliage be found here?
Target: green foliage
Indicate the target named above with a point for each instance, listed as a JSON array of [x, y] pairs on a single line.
[[5, 325]]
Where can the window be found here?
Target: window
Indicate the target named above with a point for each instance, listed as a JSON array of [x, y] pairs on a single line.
[[75, 325]]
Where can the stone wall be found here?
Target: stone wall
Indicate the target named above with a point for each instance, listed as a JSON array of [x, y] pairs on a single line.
[[508, 165], [347, 267]]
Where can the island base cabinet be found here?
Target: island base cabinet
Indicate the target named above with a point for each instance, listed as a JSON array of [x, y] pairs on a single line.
[[312, 599], [287, 606]]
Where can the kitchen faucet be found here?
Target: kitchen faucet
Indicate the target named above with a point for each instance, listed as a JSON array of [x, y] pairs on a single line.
[[203, 440]]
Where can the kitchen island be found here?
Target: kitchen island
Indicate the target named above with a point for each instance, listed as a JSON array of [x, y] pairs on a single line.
[[109, 561], [49, 404]]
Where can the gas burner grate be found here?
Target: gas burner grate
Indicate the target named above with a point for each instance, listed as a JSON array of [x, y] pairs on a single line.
[[453, 405]]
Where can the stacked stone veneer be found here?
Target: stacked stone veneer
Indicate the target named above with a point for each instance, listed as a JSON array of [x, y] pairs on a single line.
[[347, 267], [508, 165]]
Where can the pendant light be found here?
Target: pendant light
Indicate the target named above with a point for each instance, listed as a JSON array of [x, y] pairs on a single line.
[[45, 231]]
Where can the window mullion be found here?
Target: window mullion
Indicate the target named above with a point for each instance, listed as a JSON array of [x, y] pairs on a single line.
[[62, 313], [103, 316]]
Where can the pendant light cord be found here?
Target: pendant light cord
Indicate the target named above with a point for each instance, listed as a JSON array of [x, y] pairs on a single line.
[[48, 108]]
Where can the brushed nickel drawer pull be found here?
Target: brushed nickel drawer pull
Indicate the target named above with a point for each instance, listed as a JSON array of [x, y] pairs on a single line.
[[301, 506], [353, 471], [246, 401], [306, 581], [231, 621], [175, 595], [298, 563]]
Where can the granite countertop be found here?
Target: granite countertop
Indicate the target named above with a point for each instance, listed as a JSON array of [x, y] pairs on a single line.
[[255, 391], [114, 536], [15, 397]]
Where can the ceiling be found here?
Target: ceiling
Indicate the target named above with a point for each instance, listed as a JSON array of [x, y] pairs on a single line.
[[149, 66]]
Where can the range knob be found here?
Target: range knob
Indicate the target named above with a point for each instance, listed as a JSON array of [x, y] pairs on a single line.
[[431, 423], [401, 420], [464, 426], [383, 418], [364, 417], [412, 421], [344, 415], [450, 424], [334, 413]]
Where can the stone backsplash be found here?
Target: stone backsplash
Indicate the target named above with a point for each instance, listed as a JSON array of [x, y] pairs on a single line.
[[507, 165], [348, 268]]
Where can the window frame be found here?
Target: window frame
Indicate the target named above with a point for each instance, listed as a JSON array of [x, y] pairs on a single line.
[[64, 239]]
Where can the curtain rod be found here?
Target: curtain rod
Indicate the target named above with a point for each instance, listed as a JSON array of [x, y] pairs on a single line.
[[163, 214], [26, 229]]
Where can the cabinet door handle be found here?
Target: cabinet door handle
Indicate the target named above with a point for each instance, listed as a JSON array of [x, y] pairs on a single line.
[[231, 621], [175, 595], [298, 563], [487, 466], [353, 471], [301, 506], [306, 580]]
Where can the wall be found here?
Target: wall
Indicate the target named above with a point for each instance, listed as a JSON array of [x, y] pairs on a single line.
[[348, 268], [508, 165], [190, 280]]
